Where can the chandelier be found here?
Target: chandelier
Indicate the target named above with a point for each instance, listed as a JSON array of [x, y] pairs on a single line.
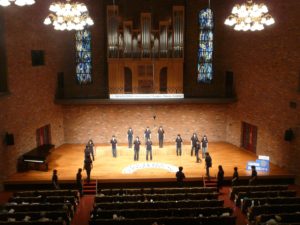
[[17, 2], [68, 16], [249, 16]]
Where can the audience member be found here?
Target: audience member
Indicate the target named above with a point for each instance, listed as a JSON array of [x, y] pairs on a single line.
[[79, 182], [180, 176], [235, 177], [55, 179], [220, 177]]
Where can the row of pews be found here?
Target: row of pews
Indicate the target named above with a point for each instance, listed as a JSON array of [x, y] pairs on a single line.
[[267, 204], [168, 206], [43, 207]]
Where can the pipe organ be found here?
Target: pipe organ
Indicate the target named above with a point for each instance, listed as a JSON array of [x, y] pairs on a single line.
[[145, 59]]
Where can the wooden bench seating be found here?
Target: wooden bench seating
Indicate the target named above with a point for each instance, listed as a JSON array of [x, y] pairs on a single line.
[[236, 189], [36, 207], [259, 194], [156, 197], [171, 212], [33, 223], [280, 218], [247, 202], [45, 199], [271, 209], [141, 191], [34, 216], [226, 220], [37, 193], [160, 204]]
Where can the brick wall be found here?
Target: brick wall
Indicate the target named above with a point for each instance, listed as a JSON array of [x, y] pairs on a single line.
[[29, 104], [101, 122], [266, 71]]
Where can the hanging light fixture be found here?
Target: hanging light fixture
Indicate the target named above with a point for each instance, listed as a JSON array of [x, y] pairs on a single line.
[[16, 2], [68, 16], [249, 16]]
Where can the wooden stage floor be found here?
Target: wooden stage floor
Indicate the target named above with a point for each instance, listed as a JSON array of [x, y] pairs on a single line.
[[69, 157]]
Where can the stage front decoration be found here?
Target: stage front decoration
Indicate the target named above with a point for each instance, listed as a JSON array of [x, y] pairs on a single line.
[[205, 50], [83, 57], [149, 165], [147, 59]]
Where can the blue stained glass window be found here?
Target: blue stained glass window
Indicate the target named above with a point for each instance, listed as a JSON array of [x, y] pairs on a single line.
[[205, 50], [83, 57]]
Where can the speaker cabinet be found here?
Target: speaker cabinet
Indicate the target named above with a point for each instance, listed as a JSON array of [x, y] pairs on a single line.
[[37, 57], [229, 84], [9, 139], [289, 135]]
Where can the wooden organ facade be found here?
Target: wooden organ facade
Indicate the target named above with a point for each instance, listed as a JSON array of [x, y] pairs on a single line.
[[145, 59]]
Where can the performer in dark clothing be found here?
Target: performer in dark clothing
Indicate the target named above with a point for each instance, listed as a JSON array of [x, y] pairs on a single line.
[[220, 177], [91, 148], [197, 149], [88, 165], [88, 151], [253, 178], [180, 176], [149, 149], [79, 181], [55, 179], [178, 141], [194, 140], [130, 137], [136, 144], [204, 143], [208, 164], [161, 135], [147, 134], [235, 177], [114, 142]]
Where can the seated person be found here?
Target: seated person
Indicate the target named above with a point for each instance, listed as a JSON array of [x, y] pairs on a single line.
[[180, 176]]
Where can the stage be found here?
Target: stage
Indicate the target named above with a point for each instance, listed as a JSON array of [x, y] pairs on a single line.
[[69, 157]]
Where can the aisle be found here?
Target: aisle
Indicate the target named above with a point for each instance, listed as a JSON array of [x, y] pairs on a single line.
[[84, 208], [240, 217]]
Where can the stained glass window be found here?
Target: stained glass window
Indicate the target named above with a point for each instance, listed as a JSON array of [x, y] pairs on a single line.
[[205, 50], [83, 57]]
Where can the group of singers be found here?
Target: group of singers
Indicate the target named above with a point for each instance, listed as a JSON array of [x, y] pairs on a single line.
[[196, 144]]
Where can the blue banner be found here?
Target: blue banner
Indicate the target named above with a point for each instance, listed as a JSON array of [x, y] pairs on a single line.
[[260, 165]]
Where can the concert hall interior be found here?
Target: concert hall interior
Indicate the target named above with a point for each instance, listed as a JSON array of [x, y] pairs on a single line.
[[144, 68]]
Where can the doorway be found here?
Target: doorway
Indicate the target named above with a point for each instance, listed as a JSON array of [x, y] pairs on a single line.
[[127, 80], [249, 137], [43, 136]]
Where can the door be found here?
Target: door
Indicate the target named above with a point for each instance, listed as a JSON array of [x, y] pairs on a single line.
[[127, 80], [249, 137], [163, 80], [43, 135]]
